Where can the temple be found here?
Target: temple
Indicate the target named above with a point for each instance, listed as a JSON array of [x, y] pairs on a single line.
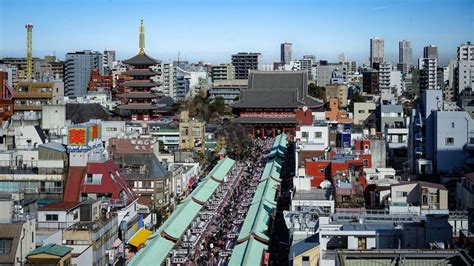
[[269, 106], [138, 97]]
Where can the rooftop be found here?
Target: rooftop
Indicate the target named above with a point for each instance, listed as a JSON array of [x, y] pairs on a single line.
[[60, 206], [52, 249]]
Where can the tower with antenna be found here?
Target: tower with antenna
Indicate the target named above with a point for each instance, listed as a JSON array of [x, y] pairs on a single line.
[[29, 51]]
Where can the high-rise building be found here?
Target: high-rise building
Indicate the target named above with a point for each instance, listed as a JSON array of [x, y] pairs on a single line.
[[465, 72], [285, 52], [78, 69], [376, 51], [404, 56], [243, 62], [404, 52], [370, 81], [325, 71], [428, 73], [109, 58], [431, 52]]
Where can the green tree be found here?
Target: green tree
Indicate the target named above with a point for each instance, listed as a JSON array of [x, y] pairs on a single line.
[[357, 97], [317, 91]]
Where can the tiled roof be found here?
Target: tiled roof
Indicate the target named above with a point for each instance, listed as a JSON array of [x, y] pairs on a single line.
[[139, 95], [274, 98], [249, 252], [52, 249], [73, 183], [83, 112], [60, 206], [141, 59]]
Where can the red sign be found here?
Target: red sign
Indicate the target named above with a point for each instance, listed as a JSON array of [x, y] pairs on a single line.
[[77, 137]]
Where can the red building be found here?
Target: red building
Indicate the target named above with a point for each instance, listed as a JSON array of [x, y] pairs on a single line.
[[100, 179], [269, 105], [100, 82], [6, 94]]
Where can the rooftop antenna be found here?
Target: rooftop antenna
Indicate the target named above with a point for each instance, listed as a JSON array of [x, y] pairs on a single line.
[[29, 51], [141, 42]]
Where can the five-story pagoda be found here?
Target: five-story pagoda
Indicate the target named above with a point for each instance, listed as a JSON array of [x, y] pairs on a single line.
[[138, 99]]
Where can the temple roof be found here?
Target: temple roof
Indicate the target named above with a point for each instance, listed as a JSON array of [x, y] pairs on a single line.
[[141, 59], [139, 95], [274, 98], [134, 83], [266, 120], [139, 106], [139, 72]]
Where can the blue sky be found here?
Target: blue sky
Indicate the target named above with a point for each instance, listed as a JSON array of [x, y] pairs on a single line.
[[213, 30]]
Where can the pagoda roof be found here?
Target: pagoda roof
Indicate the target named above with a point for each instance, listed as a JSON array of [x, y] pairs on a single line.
[[139, 106], [141, 59], [274, 98], [134, 83], [139, 95], [139, 72], [266, 120]]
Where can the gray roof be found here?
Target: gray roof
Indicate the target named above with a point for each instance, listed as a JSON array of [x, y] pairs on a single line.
[[303, 246], [54, 146], [154, 168], [367, 227], [275, 98], [83, 112], [279, 79], [139, 95], [139, 72], [141, 59], [141, 84], [392, 108]]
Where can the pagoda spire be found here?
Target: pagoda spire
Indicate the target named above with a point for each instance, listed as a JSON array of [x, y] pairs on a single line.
[[141, 43]]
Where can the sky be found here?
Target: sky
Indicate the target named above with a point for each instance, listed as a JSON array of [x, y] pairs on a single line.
[[212, 31]]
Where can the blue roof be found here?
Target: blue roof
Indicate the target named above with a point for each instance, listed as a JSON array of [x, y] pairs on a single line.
[[303, 246]]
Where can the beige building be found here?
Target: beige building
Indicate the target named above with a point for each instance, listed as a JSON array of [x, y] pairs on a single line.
[[426, 195], [305, 254], [32, 96], [364, 113], [191, 132], [338, 91]]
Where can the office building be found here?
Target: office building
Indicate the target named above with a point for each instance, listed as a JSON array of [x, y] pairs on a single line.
[[243, 62], [404, 56], [227, 89], [370, 81], [78, 70], [325, 71], [376, 51], [285, 52]]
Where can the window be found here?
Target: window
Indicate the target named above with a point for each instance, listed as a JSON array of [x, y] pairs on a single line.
[[452, 124], [318, 135], [449, 141], [304, 134], [5, 245], [89, 178], [52, 217], [305, 260], [402, 194], [361, 111]]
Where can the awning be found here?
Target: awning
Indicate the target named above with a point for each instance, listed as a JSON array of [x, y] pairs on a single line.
[[139, 237]]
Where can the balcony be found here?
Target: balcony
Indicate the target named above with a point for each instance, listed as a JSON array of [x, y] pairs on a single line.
[[419, 137], [33, 95], [420, 150]]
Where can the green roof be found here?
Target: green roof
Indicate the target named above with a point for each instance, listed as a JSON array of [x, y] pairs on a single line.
[[157, 247], [272, 170], [154, 253], [249, 252], [52, 249], [169, 130]]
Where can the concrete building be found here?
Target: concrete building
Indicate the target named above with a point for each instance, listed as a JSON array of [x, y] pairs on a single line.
[[364, 114], [243, 62], [51, 254], [109, 59], [286, 53], [324, 72], [191, 133], [465, 192], [222, 72], [32, 96], [426, 195], [17, 240], [465, 70], [78, 69], [431, 52], [428, 73], [376, 51], [438, 138], [405, 56], [227, 89]]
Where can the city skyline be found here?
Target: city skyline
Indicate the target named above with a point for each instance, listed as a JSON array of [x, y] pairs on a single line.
[[212, 31]]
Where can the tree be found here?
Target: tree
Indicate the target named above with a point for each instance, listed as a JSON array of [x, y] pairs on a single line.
[[357, 97], [317, 91]]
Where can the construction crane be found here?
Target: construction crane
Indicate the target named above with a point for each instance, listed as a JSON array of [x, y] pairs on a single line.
[[29, 48]]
